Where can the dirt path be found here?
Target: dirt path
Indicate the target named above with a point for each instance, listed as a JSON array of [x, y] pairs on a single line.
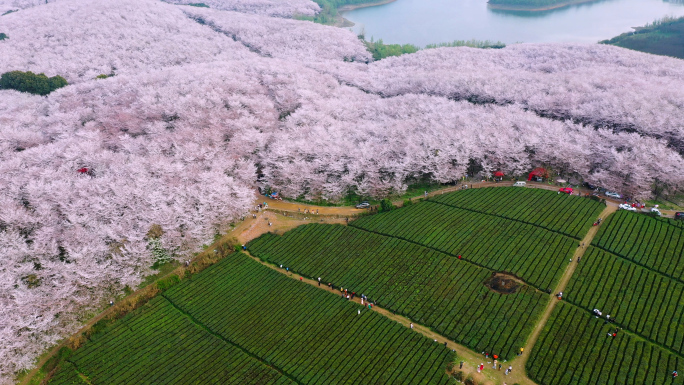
[[350, 211], [280, 222], [302, 208], [562, 283]]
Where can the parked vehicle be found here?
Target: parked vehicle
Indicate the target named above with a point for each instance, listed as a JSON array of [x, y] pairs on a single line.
[[679, 216], [363, 205], [627, 207], [613, 195], [519, 184], [656, 211], [567, 190], [589, 186]]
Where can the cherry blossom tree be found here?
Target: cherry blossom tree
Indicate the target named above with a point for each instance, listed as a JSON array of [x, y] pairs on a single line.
[[600, 85], [282, 38], [80, 39], [276, 8]]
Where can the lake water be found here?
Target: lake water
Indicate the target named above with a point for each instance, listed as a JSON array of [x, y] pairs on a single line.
[[423, 22]]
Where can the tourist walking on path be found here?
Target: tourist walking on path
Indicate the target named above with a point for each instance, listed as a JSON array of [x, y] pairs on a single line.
[[319, 281], [411, 325]]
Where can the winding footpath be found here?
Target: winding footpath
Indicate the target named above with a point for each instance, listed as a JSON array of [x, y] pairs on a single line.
[[562, 283]]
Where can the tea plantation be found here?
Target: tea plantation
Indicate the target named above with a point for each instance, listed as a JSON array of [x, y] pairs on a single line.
[[430, 261], [632, 275], [427, 286], [239, 322]]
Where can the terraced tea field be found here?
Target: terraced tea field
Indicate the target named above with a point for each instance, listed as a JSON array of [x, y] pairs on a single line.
[[239, 322], [632, 273], [427, 286], [430, 261]]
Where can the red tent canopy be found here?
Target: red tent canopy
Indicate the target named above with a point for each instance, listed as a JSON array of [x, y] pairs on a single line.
[[499, 174], [539, 171]]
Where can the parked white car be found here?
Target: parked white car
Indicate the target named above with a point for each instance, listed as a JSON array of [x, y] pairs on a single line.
[[656, 211], [613, 195], [627, 207]]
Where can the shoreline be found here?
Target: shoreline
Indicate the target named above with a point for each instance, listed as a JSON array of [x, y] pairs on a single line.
[[351, 7], [504, 7]]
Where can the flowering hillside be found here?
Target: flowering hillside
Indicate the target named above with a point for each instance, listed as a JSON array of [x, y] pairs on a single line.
[[197, 107], [276, 8], [597, 85]]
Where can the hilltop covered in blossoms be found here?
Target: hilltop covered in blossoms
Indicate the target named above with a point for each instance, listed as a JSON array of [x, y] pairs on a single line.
[[175, 114]]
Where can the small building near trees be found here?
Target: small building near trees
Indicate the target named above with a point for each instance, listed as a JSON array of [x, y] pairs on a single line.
[[539, 174]]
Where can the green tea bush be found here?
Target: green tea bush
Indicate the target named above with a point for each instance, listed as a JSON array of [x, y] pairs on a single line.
[[167, 282], [37, 84]]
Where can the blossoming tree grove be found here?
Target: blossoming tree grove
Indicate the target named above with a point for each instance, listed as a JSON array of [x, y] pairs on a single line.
[[175, 114]]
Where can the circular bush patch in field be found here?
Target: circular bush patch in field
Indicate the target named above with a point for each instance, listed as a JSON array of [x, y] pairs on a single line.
[[503, 283]]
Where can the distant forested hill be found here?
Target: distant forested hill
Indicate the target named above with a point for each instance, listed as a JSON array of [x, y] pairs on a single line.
[[662, 37], [530, 4]]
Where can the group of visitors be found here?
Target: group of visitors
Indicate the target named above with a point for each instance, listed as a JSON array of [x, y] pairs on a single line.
[[480, 367], [258, 208], [345, 294], [598, 314], [307, 211]]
